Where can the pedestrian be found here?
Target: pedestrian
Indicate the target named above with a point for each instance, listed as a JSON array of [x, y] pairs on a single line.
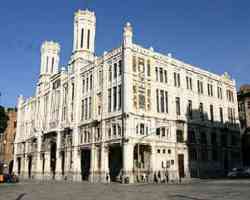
[[159, 177], [179, 179], [155, 178], [107, 178], [167, 176]]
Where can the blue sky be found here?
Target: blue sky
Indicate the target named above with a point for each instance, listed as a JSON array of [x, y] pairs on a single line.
[[214, 35]]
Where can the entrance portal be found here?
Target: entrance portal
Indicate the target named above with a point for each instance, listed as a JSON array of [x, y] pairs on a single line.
[[181, 165], [53, 159], [115, 162], [142, 157], [85, 163]]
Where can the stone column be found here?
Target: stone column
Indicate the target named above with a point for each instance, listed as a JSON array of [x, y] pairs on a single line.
[[128, 160], [104, 163], [24, 170], [152, 163], [58, 175], [15, 162], [38, 157], [93, 157], [47, 170], [186, 154], [76, 165]]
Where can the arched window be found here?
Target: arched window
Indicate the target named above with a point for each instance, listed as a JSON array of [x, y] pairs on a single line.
[[88, 40], [82, 35]]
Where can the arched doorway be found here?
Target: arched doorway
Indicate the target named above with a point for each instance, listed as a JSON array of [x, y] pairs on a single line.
[[85, 163], [115, 162], [53, 159], [142, 159]]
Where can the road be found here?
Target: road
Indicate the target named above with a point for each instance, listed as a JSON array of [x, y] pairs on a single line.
[[198, 190]]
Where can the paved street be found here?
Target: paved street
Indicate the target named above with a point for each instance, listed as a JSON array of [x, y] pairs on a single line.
[[199, 190]]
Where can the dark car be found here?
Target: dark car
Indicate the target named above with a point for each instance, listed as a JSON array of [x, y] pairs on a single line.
[[239, 173]]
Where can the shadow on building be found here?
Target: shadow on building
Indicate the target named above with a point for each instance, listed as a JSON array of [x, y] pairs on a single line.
[[213, 146]]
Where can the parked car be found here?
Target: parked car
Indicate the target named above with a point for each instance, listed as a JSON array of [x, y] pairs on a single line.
[[239, 173]]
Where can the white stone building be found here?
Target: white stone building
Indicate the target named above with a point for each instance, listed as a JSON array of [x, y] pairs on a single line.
[[86, 120]]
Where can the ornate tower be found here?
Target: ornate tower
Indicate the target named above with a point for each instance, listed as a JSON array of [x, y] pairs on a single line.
[[127, 35], [84, 35], [50, 56]]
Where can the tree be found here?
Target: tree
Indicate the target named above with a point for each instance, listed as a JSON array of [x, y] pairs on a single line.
[[3, 119]]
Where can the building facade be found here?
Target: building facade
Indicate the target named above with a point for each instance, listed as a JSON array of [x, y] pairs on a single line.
[[128, 115], [7, 140], [244, 116]]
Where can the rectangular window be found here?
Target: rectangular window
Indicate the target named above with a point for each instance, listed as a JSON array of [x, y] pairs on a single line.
[[166, 102], [177, 79], [200, 87], [115, 70], [190, 111], [161, 75], [47, 63], [189, 83], [156, 73], [134, 64], [83, 86], [142, 101], [88, 40], [73, 91], [82, 35], [162, 100], [179, 136], [120, 67], [191, 137], [142, 129], [219, 92], [114, 98], [158, 131], [210, 90], [100, 78], [165, 76], [90, 107], [230, 96], [148, 68], [86, 108], [82, 116], [211, 113], [178, 106], [109, 100], [87, 84], [52, 65], [157, 101], [201, 109], [91, 82], [119, 97], [110, 73]]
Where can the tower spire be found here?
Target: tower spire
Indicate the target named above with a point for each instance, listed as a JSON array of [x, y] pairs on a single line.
[[84, 34]]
